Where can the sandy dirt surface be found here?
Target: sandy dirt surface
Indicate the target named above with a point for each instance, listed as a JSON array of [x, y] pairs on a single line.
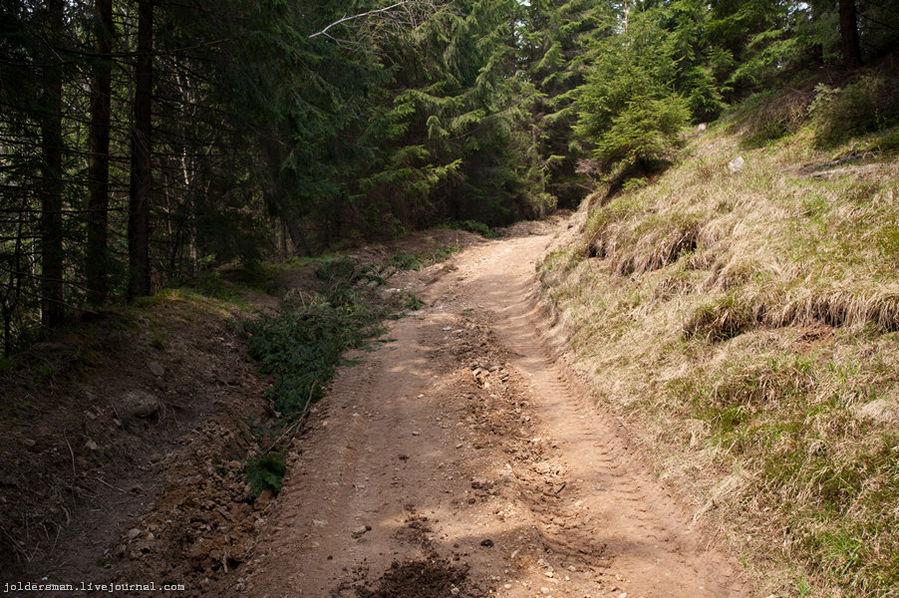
[[460, 459]]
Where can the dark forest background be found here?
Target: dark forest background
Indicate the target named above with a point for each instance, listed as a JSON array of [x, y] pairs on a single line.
[[142, 142]]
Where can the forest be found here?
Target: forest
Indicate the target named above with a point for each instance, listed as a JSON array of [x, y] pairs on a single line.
[[143, 142]]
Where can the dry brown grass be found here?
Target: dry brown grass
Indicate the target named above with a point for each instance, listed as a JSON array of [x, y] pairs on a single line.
[[748, 325]]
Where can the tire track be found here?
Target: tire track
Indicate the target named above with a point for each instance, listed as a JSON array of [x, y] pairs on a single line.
[[646, 536]]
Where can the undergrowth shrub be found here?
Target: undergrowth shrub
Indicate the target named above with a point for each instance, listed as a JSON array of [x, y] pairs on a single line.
[[472, 226], [404, 260], [301, 346], [869, 104], [770, 115], [211, 284]]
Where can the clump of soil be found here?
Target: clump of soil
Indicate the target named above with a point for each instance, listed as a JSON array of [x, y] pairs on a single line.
[[419, 579], [201, 526], [416, 531]]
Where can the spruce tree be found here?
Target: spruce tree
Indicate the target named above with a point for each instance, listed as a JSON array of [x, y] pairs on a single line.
[[558, 46], [629, 108]]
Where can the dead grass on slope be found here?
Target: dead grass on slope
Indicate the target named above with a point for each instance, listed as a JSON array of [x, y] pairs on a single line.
[[748, 323]]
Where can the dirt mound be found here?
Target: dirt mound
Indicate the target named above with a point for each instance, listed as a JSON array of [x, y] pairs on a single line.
[[201, 526], [420, 579]]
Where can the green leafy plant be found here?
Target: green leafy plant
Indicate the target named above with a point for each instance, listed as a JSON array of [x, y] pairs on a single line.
[[414, 303], [868, 104], [265, 473]]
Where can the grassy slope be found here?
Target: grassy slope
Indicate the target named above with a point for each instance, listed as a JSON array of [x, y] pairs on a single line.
[[747, 323]]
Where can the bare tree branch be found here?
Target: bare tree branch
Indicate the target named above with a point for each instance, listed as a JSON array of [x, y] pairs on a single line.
[[358, 16]]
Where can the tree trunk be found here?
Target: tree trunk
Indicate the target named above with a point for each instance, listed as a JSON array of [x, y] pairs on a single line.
[[52, 310], [97, 266], [297, 237], [852, 53], [139, 205]]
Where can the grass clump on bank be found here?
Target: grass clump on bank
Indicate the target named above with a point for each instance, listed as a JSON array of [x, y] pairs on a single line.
[[748, 324]]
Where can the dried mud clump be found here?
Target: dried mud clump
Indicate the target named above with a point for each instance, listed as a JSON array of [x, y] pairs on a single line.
[[420, 579]]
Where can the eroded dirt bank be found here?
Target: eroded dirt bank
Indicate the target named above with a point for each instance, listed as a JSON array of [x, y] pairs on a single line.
[[459, 459]]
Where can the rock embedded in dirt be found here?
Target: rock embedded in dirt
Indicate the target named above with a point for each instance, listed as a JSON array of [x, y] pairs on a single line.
[[156, 368], [736, 165], [487, 543], [140, 403], [361, 531]]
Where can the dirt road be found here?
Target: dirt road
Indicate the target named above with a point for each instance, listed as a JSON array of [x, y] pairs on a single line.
[[459, 459]]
